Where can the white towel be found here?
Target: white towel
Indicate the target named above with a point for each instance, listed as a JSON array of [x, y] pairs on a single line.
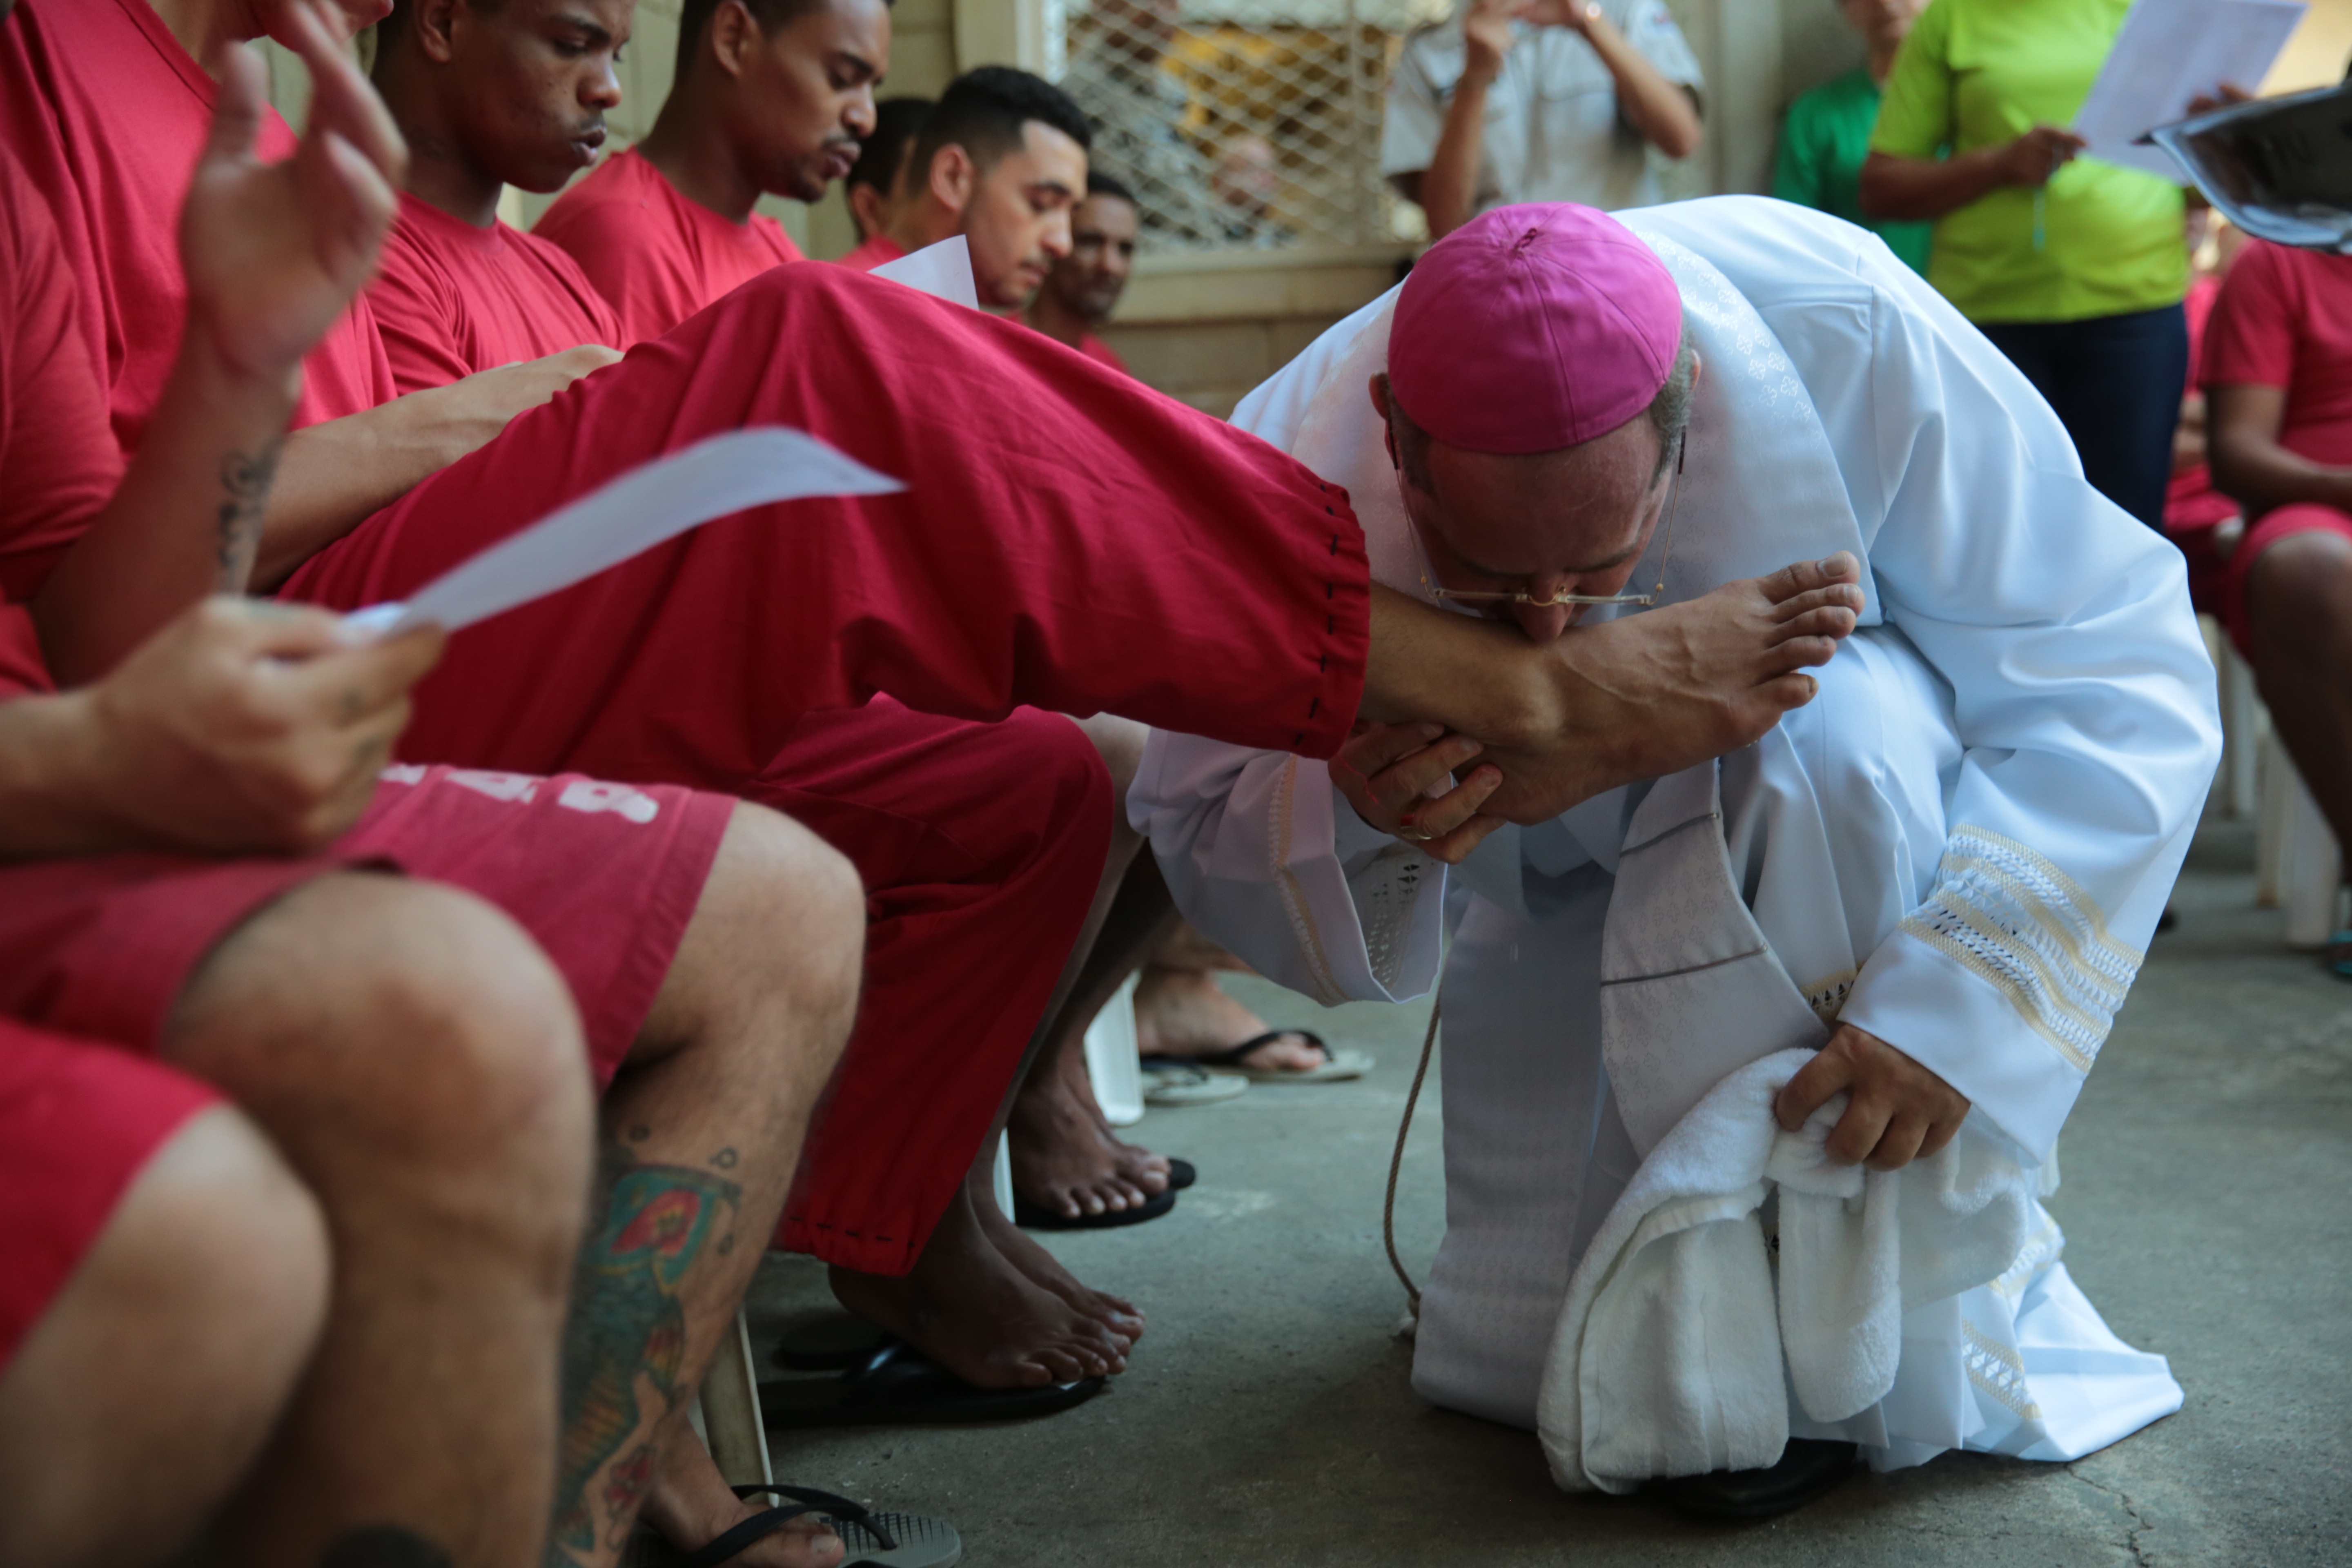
[[1671, 1356]]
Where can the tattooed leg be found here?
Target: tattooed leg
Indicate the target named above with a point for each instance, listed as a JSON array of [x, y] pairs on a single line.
[[703, 1131], [416, 1061]]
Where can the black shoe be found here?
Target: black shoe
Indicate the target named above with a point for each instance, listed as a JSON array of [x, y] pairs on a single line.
[[1809, 1468]]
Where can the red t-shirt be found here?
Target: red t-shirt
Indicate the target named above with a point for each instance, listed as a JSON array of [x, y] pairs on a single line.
[[1094, 349], [878, 250], [657, 257], [453, 300], [2284, 320], [107, 113], [58, 464]]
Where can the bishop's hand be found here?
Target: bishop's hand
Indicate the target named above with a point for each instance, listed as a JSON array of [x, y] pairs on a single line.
[[275, 252], [1400, 778], [1898, 1112]]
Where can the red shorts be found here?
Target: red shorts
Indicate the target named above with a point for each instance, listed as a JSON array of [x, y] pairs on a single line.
[[77, 1123], [2304, 517], [603, 876]]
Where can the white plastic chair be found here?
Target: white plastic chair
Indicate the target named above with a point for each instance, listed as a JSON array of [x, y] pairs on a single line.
[[1111, 1059], [2296, 861]]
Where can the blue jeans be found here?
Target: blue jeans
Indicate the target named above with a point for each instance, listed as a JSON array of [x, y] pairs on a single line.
[[2116, 382]]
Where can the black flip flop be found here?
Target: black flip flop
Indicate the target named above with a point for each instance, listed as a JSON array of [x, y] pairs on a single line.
[[898, 1386], [1038, 1217], [1181, 1174], [870, 1540]]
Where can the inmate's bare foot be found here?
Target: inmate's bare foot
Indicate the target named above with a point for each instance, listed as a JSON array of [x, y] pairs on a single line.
[[692, 1506], [1654, 693], [1066, 1158], [1185, 1012], [1122, 1317], [967, 1307]]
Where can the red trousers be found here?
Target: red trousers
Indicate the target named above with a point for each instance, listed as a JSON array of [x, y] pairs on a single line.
[[1069, 540], [981, 847]]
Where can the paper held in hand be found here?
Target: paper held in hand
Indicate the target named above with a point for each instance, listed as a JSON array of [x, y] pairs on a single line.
[[942, 271], [2169, 53], [710, 480]]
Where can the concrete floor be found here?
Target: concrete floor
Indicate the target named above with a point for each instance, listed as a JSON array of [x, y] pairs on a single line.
[[1266, 1419]]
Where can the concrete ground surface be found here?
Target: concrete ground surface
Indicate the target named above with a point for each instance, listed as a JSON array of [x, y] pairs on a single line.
[[1266, 1420]]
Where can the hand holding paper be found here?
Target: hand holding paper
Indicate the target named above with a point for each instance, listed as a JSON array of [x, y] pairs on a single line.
[[2169, 54], [710, 480]]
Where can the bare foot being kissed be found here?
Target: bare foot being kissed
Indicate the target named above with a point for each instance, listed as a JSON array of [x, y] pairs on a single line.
[[970, 1305]]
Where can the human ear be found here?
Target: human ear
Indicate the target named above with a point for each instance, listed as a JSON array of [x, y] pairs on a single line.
[[732, 33], [431, 22], [953, 177]]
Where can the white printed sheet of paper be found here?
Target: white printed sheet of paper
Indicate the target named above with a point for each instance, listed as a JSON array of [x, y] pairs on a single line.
[[942, 271], [2167, 53], [643, 508]]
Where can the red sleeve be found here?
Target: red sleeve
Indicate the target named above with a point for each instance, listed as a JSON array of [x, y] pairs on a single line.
[[419, 316], [2249, 339], [57, 451]]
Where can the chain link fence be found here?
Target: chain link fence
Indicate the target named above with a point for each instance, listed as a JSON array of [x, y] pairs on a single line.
[[1242, 124]]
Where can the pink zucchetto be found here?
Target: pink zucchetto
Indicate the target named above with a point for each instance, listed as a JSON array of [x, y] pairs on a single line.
[[1533, 328]]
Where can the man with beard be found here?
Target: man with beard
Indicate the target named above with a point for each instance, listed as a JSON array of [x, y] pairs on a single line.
[[1002, 161], [1084, 287]]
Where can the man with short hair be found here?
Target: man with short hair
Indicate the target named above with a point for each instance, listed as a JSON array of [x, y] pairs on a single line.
[[876, 184], [771, 98], [1002, 161], [1894, 930], [1084, 287], [344, 1303]]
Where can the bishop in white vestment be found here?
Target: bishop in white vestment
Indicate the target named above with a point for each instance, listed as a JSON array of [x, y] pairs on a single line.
[[1962, 846]]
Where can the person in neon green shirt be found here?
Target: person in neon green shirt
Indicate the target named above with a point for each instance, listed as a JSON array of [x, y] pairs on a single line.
[[1827, 132], [2073, 268]]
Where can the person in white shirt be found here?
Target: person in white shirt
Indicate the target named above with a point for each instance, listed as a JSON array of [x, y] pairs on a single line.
[[1538, 100], [1925, 894]]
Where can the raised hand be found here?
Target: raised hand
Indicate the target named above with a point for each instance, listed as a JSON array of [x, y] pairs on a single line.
[[275, 253], [1898, 1112], [1487, 38], [1657, 692], [244, 727]]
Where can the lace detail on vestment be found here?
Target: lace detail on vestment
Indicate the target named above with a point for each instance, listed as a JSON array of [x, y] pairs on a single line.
[[1385, 892], [2025, 928]]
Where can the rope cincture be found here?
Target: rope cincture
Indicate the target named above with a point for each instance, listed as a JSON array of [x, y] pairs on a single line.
[[1396, 1161]]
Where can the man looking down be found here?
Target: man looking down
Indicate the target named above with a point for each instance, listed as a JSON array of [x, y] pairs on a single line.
[[336, 1316], [771, 98], [1557, 411], [1002, 160]]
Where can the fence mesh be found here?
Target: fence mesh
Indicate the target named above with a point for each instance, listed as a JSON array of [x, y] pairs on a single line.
[[1242, 124]]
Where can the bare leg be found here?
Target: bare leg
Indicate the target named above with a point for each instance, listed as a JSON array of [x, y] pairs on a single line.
[[146, 1391], [702, 1132], [2299, 603], [418, 1063]]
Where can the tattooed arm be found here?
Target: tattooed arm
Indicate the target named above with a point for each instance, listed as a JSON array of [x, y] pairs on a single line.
[[273, 254]]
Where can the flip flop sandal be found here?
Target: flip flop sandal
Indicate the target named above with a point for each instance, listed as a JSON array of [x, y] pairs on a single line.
[[1038, 1217], [1181, 1174], [1181, 1083], [898, 1386], [838, 1341], [1337, 1067], [884, 1539], [2339, 954]]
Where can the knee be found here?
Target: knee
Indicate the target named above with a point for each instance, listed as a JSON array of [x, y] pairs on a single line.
[[791, 907], [225, 1230], [2299, 597], [401, 1020]]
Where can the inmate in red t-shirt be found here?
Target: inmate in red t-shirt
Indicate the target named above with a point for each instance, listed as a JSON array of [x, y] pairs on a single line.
[[107, 113], [58, 464], [2284, 320], [452, 300], [656, 254]]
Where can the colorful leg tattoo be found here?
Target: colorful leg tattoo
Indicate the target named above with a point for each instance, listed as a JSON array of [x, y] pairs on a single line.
[[628, 1327]]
